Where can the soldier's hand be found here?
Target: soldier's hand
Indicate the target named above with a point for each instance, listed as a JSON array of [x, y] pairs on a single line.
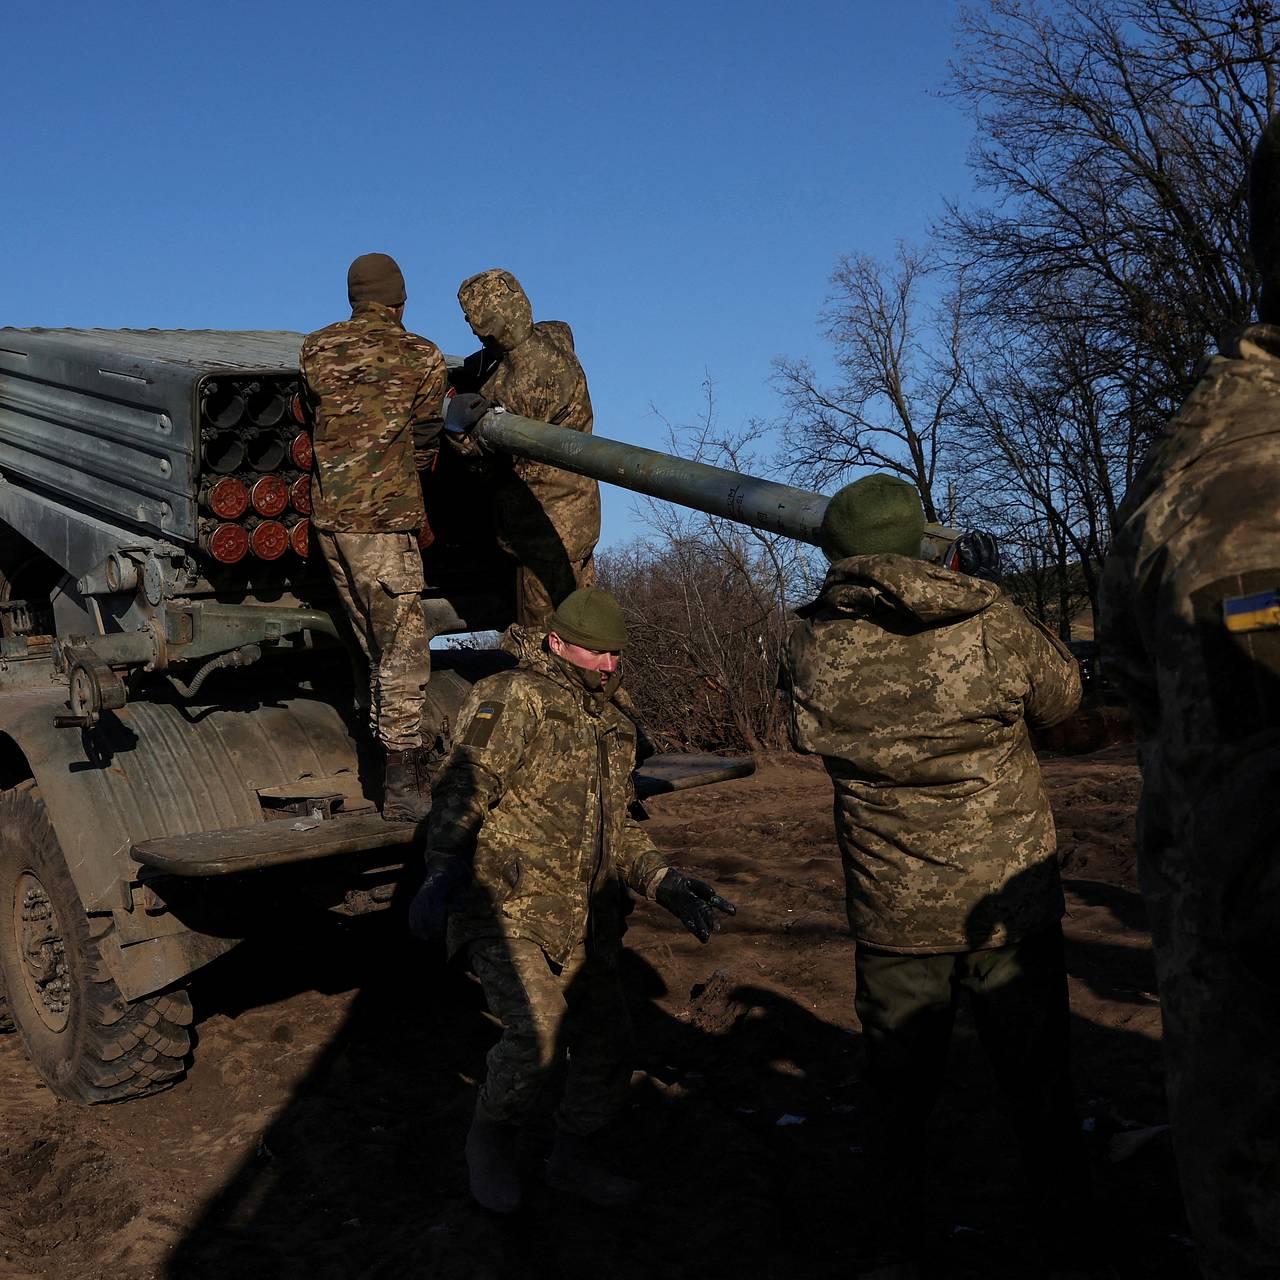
[[694, 903], [463, 411], [976, 553], [447, 875]]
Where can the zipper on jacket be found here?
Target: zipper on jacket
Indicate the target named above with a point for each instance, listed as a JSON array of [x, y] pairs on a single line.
[[602, 777]]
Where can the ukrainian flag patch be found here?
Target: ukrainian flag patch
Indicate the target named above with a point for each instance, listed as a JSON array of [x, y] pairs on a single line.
[[482, 724], [1259, 612]]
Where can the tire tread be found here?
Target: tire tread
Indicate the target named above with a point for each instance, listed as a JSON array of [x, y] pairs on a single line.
[[129, 1048]]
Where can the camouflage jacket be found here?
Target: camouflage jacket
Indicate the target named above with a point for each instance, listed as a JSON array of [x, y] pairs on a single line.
[[1191, 636], [916, 685], [368, 383], [537, 791], [536, 375]]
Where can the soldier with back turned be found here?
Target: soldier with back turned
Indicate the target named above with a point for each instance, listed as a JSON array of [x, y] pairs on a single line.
[[368, 384], [917, 685], [1191, 636]]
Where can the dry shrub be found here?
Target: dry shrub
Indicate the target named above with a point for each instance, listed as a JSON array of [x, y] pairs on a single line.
[[706, 616]]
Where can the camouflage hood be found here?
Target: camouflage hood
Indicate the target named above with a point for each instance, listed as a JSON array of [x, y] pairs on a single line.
[[866, 586], [497, 309], [558, 331], [524, 644]]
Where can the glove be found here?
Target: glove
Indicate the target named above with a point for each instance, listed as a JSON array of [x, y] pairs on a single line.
[[977, 554], [691, 902], [447, 875], [463, 411]]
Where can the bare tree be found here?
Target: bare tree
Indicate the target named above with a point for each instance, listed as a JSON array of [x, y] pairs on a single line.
[[1114, 138], [708, 606], [1045, 449], [900, 365], [704, 639]]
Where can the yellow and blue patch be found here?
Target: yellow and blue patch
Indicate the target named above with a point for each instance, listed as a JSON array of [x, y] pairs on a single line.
[[483, 724], [1257, 612]]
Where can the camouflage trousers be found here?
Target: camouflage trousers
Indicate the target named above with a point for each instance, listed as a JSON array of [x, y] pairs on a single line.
[[1018, 994], [1220, 1003], [379, 580], [544, 579], [550, 1014]]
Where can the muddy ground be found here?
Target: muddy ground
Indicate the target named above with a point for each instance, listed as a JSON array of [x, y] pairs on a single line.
[[319, 1132]]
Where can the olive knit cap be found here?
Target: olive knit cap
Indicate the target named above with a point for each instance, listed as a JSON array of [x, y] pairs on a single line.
[[375, 277], [877, 515], [590, 618]]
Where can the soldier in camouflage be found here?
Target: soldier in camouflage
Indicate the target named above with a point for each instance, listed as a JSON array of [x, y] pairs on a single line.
[[548, 519], [917, 686], [368, 386], [532, 845], [1191, 636]]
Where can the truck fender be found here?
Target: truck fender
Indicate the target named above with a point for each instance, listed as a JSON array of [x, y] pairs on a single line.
[[156, 769]]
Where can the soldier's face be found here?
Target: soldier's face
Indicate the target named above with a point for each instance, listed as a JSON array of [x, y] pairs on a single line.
[[605, 660]]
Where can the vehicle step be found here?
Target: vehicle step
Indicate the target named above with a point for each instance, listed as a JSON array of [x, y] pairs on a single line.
[[270, 844], [276, 844], [678, 770]]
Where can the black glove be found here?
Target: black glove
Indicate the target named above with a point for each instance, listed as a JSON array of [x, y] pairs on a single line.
[[691, 902], [447, 875], [977, 554], [463, 410]]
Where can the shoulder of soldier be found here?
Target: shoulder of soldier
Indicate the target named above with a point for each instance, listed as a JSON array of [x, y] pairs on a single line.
[[1020, 630], [338, 329], [1235, 393], [420, 346], [521, 691], [334, 336], [813, 650]]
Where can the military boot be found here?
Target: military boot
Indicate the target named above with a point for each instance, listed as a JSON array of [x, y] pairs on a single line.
[[404, 798], [573, 1168], [493, 1164]]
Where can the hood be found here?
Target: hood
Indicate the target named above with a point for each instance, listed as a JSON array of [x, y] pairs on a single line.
[[558, 331], [863, 586], [496, 308], [524, 644]]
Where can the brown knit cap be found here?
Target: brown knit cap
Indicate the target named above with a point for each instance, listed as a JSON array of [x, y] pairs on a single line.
[[375, 277]]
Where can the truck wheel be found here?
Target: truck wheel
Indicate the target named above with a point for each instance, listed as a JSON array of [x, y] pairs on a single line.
[[87, 1042]]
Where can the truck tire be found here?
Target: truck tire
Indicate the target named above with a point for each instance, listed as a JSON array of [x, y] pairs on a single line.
[[86, 1041]]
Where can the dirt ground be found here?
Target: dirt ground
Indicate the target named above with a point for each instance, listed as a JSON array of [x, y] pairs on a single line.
[[319, 1132]]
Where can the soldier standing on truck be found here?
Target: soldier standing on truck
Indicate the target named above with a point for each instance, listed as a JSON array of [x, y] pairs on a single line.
[[916, 685], [532, 843], [548, 519], [368, 383], [1191, 637]]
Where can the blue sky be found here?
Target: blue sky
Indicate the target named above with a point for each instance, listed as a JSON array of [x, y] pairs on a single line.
[[675, 180]]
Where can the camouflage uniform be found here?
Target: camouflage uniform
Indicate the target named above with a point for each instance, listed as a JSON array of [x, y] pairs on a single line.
[[916, 685], [1191, 636], [368, 384], [536, 793], [547, 518]]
